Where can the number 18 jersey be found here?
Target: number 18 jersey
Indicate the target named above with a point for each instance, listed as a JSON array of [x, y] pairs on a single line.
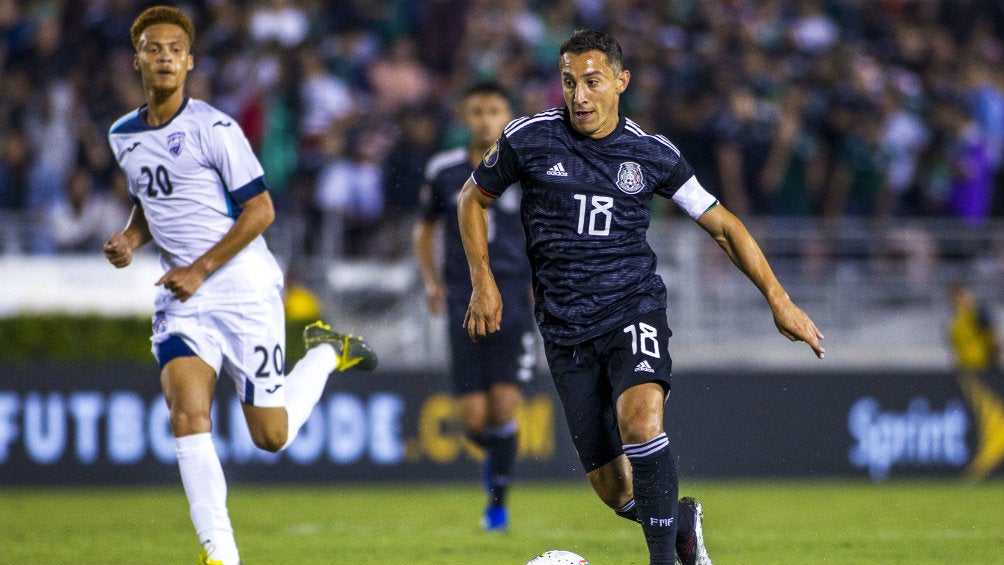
[[191, 175], [586, 209]]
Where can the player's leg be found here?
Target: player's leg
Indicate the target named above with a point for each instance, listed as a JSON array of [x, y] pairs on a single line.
[[188, 384], [641, 376], [327, 351], [653, 470], [277, 405], [506, 360], [501, 437], [587, 404]]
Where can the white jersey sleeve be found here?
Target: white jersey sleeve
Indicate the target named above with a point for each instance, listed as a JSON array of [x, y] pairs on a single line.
[[191, 175]]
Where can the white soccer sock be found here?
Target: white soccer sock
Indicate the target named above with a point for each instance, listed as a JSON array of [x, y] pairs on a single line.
[[206, 488], [305, 384]]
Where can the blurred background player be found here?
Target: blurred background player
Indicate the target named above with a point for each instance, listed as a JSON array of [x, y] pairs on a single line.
[[972, 333], [199, 193], [588, 176], [487, 374]]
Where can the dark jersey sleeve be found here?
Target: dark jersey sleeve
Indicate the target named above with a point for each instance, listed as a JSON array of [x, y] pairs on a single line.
[[679, 172], [499, 168]]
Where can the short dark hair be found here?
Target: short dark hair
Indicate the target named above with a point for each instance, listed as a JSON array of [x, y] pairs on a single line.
[[488, 87], [161, 15], [585, 40]]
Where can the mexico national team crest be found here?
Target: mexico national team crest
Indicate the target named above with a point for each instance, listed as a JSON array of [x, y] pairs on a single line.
[[630, 178], [176, 143]]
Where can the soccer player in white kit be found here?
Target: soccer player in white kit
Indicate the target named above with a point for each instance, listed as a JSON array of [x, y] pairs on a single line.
[[200, 195]]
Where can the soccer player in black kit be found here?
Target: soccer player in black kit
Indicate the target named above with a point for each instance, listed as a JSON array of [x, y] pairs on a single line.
[[588, 175], [487, 374]]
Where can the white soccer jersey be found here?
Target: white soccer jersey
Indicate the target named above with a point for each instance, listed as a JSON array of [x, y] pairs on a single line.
[[190, 175]]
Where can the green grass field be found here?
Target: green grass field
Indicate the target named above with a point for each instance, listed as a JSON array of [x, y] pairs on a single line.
[[776, 523]]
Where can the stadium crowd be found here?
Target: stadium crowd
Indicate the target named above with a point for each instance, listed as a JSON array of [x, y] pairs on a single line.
[[807, 108]]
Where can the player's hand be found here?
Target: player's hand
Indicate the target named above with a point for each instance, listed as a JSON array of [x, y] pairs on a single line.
[[182, 281], [484, 313], [118, 251], [795, 324]]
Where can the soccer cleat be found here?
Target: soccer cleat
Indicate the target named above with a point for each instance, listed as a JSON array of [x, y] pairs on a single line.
[[352, 351], [203, 559], [690, 548], [495, 519]]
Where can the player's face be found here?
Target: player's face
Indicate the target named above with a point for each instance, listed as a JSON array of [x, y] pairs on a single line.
[[592, 91], [163, 59], [486, 116]]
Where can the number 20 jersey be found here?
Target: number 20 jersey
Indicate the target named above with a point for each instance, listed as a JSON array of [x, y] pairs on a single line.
[[586, 209], [191, 175]]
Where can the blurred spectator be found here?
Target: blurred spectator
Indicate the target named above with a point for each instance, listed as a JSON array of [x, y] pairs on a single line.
[[281, 21], [397, 77], [786, 108], [325, 99], [967, 155], [419, 139], [81, 222], [15, 162], [350, 190]]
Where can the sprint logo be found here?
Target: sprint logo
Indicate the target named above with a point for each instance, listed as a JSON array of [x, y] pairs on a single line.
[[643, 367], [558, 170]]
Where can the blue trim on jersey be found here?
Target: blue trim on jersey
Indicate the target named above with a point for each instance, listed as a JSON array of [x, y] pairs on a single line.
[[248, 393], [135, 123], [172, 348], [249, 190]]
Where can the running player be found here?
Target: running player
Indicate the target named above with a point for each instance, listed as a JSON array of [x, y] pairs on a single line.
[[486, 375], [201, 197], [588, 175]]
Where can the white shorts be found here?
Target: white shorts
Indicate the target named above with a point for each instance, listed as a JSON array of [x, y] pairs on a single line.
[[246, 342]]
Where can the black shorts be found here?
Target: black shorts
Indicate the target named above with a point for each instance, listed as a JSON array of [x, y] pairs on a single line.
[[591, 375], [506, 356]]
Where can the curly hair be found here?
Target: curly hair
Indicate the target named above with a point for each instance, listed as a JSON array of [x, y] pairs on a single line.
[[161, 15], [591, 40]]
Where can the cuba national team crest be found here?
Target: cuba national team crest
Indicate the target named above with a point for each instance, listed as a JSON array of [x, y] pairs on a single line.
[[176, 143], [630, 178]]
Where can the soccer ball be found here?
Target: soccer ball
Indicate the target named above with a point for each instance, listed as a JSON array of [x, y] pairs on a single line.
[[558, 557]]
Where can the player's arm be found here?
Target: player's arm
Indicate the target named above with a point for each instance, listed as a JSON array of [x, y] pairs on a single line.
[[256, 215], [730, 233], [484, 313], [118, 249], [423, 240]]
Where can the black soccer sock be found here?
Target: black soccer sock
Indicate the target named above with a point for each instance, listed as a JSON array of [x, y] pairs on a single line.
[[501, 458], [655, 492], [629, 511]]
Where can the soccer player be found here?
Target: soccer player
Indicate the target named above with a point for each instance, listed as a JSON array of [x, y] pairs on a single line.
[[487, 374], [588, 176], [200, 195]]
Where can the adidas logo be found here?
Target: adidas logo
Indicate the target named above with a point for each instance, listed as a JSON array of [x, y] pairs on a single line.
[[644, 366], [557, 171]]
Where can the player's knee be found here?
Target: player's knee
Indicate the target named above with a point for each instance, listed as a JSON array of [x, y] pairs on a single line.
[[269, 438], [188, 422], [639, 430]]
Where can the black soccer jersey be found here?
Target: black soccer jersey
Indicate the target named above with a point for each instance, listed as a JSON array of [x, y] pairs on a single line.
[[586, 208], [445, 175]]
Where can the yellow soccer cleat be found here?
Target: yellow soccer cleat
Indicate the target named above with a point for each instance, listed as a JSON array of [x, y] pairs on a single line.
[[352, 351], [203, 559]]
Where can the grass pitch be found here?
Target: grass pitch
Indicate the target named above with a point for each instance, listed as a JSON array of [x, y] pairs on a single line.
[[777, 523]]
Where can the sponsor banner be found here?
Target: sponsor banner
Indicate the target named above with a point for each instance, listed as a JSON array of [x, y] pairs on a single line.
[[856, 424], [108, 424]]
